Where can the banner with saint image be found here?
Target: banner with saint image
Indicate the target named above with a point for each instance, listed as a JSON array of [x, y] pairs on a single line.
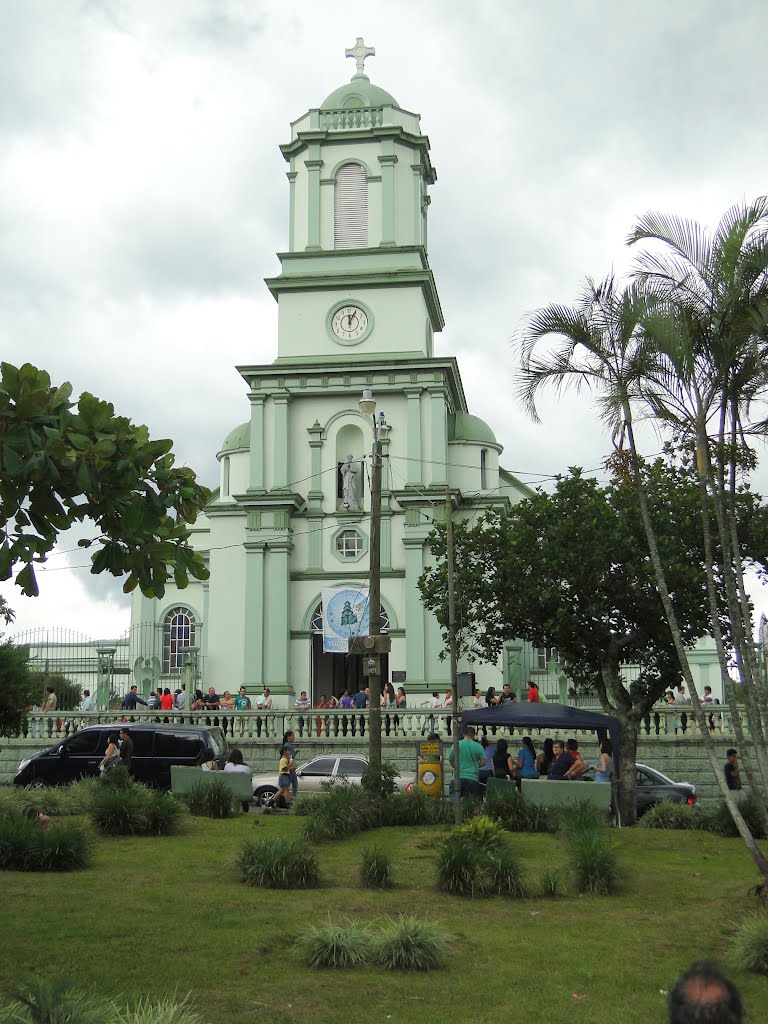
[[345, 616]]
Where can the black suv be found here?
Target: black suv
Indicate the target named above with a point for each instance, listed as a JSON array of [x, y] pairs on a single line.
[[155, 749]]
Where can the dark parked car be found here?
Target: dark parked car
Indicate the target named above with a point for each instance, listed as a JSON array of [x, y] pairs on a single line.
[[653, 787], [155, 749]]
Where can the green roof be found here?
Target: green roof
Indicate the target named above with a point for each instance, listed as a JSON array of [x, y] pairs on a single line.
[[237, 439], [464, 427], [358, 93]]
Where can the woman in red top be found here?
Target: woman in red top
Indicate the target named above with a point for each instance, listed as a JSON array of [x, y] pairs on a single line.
[[166, 700], [533, 693]]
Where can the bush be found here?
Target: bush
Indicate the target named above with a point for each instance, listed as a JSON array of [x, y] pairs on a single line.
[[407, 944], [164, 812], [46, 1002], [375, 869], [466, 868], [382, 783], [680, 817], [748, 949], [78, 797], [210, 798], [518, 816], [581, 816], [25, 846], [276, 864], [336, 945], [159, 1011], [505, 876], [592, 859], [483, 832], [750, 811], [414, 808]]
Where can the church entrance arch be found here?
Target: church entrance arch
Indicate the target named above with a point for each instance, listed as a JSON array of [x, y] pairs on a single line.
[[335, 673]]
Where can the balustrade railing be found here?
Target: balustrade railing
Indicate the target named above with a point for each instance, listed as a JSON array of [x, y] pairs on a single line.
[[354, 117], [665, 722]]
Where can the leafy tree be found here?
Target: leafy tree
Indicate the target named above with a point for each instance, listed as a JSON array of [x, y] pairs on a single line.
[[63, 462], [68, 693], [18, 686], [7, 614], [571, 569]]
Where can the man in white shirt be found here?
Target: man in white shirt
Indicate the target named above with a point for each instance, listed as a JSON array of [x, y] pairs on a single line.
[[303, 703], [87, 703], [263, 703], [681, 697], [181, 697]]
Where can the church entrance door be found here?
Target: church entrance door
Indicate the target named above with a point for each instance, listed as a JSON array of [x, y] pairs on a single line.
[[335, 673]]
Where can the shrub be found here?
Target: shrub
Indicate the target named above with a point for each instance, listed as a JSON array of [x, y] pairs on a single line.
[[458, 866], [581, 816], [414, 808], [382, 783], [592, 859], [407, 944], [375, 869], [117, 778], [483, 832], [25, 846], [305, 804], [466, 868], [41, 1001], [159, 1011], [518, 816], [748, 949], [11, 800], [336, 945], [665, 814], [78, 797], [276, 864], [164, 812], [550, 884], [750, 812], [210, 798]]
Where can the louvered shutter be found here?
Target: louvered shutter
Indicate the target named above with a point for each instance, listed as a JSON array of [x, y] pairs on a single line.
[[350, 208]]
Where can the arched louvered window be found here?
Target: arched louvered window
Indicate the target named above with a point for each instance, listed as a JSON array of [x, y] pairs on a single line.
[[178, 633], [350, 208]]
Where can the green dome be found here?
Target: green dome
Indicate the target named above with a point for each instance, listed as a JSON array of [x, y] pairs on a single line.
[[237, 439], [358, 93], [464, 427]]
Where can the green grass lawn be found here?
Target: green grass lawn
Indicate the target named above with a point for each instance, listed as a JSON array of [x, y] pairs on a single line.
[[171, 915]]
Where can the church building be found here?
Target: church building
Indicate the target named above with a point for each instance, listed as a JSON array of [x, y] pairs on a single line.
[[358, 308]]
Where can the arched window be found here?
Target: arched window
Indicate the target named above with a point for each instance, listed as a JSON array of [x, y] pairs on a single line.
[[178, 633], [350, 208], [316, 622], [483, 469], [225, 477]]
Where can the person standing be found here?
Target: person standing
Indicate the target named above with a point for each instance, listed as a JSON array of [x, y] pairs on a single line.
[[263, 703], [181, 697], [303, 703], [707, 698], [533, 693], [126, 749], [289, 742], [49, 704], [508, 696], [360, 700], [731, 769], [132, 698], [242, 703], [471, 760], [87, 703], [236, 764], [526, 760], [167, 702], [681, 697], [604, 763]]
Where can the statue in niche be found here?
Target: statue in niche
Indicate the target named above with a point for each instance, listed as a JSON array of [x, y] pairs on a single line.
[[349, 483]]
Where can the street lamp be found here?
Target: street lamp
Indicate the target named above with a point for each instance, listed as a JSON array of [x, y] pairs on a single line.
[[374, 644]]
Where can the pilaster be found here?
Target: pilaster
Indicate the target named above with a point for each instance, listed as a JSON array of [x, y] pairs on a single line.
[[417, 203], [438, 436], [291, 176], [414, 611], [280, 401], [254, 611], [387, 160], [313, 165], [277, 633], [256, 482], [413, 466]]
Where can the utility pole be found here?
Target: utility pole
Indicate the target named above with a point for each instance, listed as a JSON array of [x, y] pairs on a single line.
[[457, 808]]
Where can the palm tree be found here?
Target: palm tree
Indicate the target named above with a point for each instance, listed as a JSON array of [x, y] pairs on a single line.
[[710, 328], [606, 346]]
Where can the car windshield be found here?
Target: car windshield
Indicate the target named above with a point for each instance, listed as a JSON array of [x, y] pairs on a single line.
[[655, 775]]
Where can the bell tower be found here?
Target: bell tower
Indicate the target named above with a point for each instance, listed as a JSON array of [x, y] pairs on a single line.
[[356, 280]]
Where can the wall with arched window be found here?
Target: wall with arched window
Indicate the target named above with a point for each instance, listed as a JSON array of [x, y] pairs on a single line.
[[178, 634]]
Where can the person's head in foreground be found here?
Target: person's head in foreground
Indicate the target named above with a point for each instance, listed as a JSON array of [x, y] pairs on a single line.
[[704, 996]]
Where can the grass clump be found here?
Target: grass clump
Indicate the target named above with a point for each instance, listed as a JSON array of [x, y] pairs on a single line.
[[26, 846], [415, 808], [593, 862], [581, 816], [134, 810], [748, 948], [550, 884], [375, 869], [41, 1001], [275, 864], [343, 810], [210, 798], [407, 944], [466, 868], [342, 944], [518, 816], [151, 1010]]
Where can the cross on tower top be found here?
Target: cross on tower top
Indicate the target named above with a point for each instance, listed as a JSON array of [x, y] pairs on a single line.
[[360, 51]]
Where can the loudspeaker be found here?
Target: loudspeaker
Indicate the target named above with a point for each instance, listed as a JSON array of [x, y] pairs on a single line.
[[465, 684]]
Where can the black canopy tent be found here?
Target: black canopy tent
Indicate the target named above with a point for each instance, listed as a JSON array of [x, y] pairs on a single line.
[[560, 720]]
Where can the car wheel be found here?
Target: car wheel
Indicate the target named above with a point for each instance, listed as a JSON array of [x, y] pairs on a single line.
[[263, 795]]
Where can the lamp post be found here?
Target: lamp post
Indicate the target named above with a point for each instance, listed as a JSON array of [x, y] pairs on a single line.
[[374, 644]]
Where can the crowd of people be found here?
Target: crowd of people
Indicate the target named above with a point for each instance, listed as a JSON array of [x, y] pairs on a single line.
[[558, 760]]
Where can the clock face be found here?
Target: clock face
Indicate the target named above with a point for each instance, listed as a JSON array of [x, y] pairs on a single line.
[[349, 323]]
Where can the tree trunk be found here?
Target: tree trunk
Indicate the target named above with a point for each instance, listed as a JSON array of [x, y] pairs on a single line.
[[626, 772]]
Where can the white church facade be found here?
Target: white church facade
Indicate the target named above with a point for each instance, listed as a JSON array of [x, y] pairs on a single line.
[[357, 308]]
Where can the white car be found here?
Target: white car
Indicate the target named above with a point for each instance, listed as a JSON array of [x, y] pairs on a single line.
[[319, 770]]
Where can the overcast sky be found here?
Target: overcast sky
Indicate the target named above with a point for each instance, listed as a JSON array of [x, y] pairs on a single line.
[[143, 195]]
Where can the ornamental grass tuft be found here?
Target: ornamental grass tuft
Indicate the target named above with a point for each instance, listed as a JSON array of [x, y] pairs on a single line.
[[466, 868], [26, 846], [339, 944], [134, 810], [593, 863], [375, 868], [407, 944], [210, 798], [750, 811], [550, 884], [276, 864], [748, 947], [679, 817]]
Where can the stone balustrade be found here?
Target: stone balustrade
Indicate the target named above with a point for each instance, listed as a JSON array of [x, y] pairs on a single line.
[[353, 117]]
